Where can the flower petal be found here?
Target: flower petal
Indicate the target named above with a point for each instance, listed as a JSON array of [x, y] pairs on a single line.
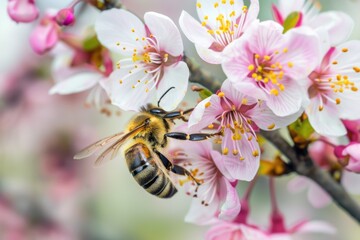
[[194, 31], [205, 113], [175, 78], [318, 197], [125, 95], [316, 227], [201, 215], [76, 83], [267, 120], [324, 122], [350, 182], [117, 28], [230, 202], [298, 184], [166, 32], [209, 55]]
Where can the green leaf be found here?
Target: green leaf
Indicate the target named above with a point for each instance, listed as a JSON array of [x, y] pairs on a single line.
[[205, 93], [91, 43], [302, 128], [291, 21]]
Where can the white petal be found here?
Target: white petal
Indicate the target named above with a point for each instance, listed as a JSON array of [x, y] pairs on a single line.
[[176, 79], [298, 184], [316, 227], [208, 55], [166, 32], [124, 95], [201, 215], [325, 122], [76, 83], [194, 31], [350, 182], [117, 28]]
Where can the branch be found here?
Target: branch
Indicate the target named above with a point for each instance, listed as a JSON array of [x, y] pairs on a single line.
[[198, 75], [303, 165]]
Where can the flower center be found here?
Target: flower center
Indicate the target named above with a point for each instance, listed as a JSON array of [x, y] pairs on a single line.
[[268, 73]]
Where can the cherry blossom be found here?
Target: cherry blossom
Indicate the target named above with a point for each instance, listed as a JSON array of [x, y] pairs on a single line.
[[349, 156], [238, 116], [337, 25], [266, 64], [333, 89], [22, 10], [151, 64], [217, 195], [221, 23]]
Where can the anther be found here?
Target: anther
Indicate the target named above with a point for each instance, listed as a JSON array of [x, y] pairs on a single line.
[[272, 126], [344, 50], [221, 94]]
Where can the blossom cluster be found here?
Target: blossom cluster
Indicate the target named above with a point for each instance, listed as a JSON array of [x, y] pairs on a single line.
[[298, 71]]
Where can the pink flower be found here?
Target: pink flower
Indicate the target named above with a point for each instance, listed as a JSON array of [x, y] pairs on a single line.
[[333, 89], [336, 24], [65, 16], [221, 23], [217, 195], [74, 72], [45, 35], [238, 116], [349, 156], [265, 63], [235, 231], [152, 63], [353, 130], [22, 10]]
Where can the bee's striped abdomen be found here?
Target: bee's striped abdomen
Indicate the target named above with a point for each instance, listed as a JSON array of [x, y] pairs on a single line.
[[145, 171]]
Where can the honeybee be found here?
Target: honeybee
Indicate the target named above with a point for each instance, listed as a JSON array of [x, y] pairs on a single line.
[[145, 135]]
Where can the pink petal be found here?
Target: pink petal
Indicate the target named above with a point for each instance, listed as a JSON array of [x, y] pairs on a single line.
[[224, 231], [115, 28], [203, 116], [249, 88], [267, 120], [22, 10], [250, 233], [289, 101], [298, 184], [175, 77], [44, 37], [318, 197], [303, 51], [229, 198], [194, 31], [353, 151], [166, 32], [316, 227], [209, 55], [76, 83], [350, 182]]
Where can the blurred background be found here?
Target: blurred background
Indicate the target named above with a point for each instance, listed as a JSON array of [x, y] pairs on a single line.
[[45, 194]]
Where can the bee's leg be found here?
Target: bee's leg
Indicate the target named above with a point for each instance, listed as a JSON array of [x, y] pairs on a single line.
[[178, 114], [193, 136], [175, 168]]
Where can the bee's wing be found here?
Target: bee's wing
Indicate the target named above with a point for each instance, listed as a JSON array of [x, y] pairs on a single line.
[[90, 150], [117, 140]]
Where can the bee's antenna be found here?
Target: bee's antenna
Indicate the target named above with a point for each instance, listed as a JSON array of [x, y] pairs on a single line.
[[164, 95]]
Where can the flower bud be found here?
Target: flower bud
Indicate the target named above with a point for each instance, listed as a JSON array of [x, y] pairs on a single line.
[[22, 10], [44, 36], [65, 17]]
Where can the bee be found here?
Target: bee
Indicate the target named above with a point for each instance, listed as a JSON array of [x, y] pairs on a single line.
[[142, 142]]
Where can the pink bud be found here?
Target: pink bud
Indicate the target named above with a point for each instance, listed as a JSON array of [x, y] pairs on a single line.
[[65, 17], [44, 36], [349, 156], [22, 10]]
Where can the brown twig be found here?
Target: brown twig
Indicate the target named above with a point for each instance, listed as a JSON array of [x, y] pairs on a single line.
[[303, 165]]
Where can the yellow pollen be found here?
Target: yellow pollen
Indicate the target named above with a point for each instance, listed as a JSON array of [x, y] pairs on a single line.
[[338, 101], [255, 153], [232, 2], [235, 152], [232, 14], [208, 104], [250, 138], [259, 69], [244, 9], [132, 30], [334, 62], [198, 5], [225, 151], [244, 101], [117, 44], [321, 108], [137, 39], [267, 58], [236, 137], [211, 126], [285, 50], [354, 89], [133, 86], [257, 56], [221, 94], [223, 1], [254, 75], [206, 17], [146, 90], [276, 52], [120, 81], [290, 64], [143, 38], [274, 91], [203, 24], [241, 158], [345, 50], [216, 5], [124, 48], [356, 69], [272, 126]]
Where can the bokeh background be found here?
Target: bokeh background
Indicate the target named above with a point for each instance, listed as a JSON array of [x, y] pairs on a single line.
[[43, 189]]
